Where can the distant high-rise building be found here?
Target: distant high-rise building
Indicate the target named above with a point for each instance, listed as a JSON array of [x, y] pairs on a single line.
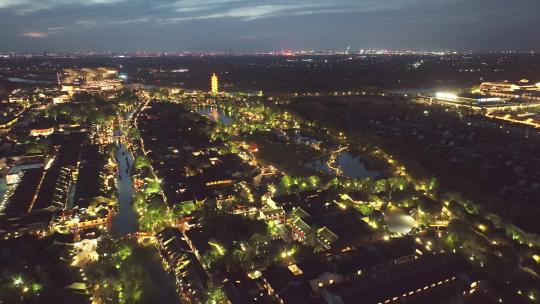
[[214, 84]]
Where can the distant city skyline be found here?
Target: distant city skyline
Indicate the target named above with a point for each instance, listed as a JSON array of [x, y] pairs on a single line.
[[258, 26]]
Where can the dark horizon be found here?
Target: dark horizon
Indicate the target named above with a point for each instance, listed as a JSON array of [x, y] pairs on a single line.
[[271, 52]]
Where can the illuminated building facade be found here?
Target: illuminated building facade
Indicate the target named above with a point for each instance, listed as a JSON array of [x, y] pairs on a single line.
[[508, 87], [86, 79], [42, 131], [523, 89]]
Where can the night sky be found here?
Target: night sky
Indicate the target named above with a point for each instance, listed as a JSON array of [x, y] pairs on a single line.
[[246, 26]]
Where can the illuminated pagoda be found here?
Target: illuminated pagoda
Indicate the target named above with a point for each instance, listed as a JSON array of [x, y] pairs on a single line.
[[214, 84]]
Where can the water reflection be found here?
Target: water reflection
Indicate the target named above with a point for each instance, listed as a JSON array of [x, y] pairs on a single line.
[[216, 114], [160, 286], [125, 220], [351, 166], [27, 81]]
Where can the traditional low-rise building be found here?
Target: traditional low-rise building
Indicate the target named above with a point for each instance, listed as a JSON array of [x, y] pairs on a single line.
[[42, 131]]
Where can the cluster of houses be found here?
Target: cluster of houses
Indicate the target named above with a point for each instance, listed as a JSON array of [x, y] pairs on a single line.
[[352, 261]]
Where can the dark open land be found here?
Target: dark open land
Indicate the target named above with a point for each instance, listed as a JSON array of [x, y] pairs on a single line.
[[285, 74], [495, 166]]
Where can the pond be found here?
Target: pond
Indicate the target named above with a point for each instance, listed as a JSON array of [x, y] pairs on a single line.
[[351, 166], [216, 114], [305, 140]]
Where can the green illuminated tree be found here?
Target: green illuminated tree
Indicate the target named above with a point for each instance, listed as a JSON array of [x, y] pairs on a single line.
[[151, 186], [142, 161]]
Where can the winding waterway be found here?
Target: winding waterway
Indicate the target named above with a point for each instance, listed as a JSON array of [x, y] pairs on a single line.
[[160, 285], [125, 220]]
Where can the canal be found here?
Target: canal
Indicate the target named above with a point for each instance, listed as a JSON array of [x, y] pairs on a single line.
[[160, 285], [125, 220]]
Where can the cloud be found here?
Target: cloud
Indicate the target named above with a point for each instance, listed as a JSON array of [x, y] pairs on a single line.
[[215, 9], [285, 21], [79, 25], [185, 10], [92, 23], [199, 5], [57, 28], [35, 35], [48, 31], [245, 13], [24, 7]]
